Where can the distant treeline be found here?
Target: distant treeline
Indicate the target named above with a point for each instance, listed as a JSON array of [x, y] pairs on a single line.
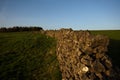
[[20, 29]]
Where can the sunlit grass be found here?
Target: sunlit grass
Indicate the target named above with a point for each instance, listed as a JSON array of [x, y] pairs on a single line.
[[26, 56]]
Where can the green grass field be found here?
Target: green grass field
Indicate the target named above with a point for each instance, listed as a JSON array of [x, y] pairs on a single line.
[[28, 56], [32, 56], [114, 44]]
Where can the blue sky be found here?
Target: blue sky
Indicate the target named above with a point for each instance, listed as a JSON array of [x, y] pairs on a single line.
[[56, 14]]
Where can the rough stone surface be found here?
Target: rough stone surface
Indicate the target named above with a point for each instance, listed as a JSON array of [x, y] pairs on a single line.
[[82, 56]]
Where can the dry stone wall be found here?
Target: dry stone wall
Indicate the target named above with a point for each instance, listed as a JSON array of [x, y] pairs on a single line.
[[82, 56]]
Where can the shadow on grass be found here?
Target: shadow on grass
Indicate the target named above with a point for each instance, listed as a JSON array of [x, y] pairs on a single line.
[[114, 51]]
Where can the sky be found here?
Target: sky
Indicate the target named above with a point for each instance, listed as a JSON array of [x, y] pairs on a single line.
[[56, 14]]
